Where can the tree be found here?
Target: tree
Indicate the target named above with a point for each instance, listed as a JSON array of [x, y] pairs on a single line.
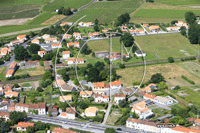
[[170, 59], [16, 85], [156, 78], [35, 57], [107, 60], [20, 53], [194, 33], [174, 21], [183, 31], [93, 74], [124, 18], [39, 89], [89, 65], [31, 34], [41, 63], [34, 48], [83, 105], [30, 129], [122, 66], [54, 59], [76, 82], [16, 117], [127, 39], [96, 28], [50, 114], [162, 85], [47, 75], [122, 103], [4, 127], [110, 130], [190, 17], [96, 21]]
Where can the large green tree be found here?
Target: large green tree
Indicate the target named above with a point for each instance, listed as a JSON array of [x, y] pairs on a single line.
[[47, 75], [127, 39], [190, 17], [34, 48], [16, 117], [20, 53], [156, 78]]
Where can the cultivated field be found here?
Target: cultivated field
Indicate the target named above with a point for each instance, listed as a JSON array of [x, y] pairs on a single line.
[[106, 11], [167, 45], [53, 19], [169, 71], [192, 67], [56, 4], [22, 2], [179, 2], [31, 71], [161, 13]]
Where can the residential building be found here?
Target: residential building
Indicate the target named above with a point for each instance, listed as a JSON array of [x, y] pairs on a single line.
[[62, 130], [148, 89], [10, 73], [140, 53], [163, 100], [5, 51], [35, 41], [138, 31], [50, 40], [46, 36], [149, 96], [11, 94], [115, 85], [191, 120], [197, 122], [16, 42], [42, 53], [1, 86], [64, 86], [53, 110], [142, 110], [88, 24], [86, 94], [146, 25], [75, 61], [101, 98], [22, 126], [73, 44], [173, 28], [101, 54], [91, 111], [66, 54], [154, 28], [57, 45], [118, 97], [71, 113], [32, 63], [3, 106], [127, 91], [94, 35], [67, 36], [66, 98], [47, 65], [77, 35], [21, 107], [141, 94], [4, 115], [13, 65], [21, 37], [104, 31], [40, 107], [180, 23], [100, 86], [66, 23]]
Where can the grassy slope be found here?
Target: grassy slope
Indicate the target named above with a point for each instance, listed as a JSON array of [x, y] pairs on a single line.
[[22, 2], [56, 4], [13, 28], [106, 11], [168, 45], [179, 2]]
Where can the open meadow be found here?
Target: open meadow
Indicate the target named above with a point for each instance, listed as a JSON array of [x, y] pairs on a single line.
[[161, 13], [179, 2], [169, 71], [106, 11], [39, 70]]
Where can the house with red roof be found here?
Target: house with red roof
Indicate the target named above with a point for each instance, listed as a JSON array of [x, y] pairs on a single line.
[[100, 86], [73, 44], [21, 37], [115, 85], [75, 61], [66, 54], [22, 126], [118, 97], [42, 53], [100, 98], [62, 130]]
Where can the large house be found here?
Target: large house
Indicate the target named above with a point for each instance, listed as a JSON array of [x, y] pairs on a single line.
[[77, 35], [86, 94], [66, 54], [11, 69], [57, 45], [66, 23], [91, 111], [46, 36], [88, 24], [180, 24], [140, 53], [11, 94], [73, 44], [94, 35], [67, 36], [142, 110], [66, 98], [101, 54], [163, 100], [100, 86], [101, 98], [149, 88], [138, 31], [75, 61], [22, 126], [21, 37], [35, 41], [115, 85], [50, 40], [64, 86], [42, 53], [173, 28], [149, 96], [118, 97], [5, 51], [4, 115], [154, 28]]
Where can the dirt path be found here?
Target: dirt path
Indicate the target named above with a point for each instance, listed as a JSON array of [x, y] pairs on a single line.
[[22, 31]]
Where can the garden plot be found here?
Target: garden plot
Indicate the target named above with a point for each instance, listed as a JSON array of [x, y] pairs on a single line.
[[182, 93], [191, 67], [185, 52]]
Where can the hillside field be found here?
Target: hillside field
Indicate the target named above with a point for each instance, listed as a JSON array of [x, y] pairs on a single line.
[[179, 2], [106, 11]]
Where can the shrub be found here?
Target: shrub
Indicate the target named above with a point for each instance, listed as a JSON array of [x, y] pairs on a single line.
[[122, 66], [170, 59], [188, 80]]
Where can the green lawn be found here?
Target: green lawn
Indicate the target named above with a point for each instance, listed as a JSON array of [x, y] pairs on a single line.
[[167, 45], [106, 11], [160, 112], [193, 97], [41, 18], [2, 73], [179, 2], [26, 85], [13, 28], [57, 4]]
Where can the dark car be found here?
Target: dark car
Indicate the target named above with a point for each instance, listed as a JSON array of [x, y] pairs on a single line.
[[119, 129]]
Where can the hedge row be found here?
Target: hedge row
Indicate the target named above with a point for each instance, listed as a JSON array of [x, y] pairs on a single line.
[[188, 80]]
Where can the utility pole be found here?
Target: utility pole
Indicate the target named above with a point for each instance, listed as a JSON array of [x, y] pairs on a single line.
[[156, 57]]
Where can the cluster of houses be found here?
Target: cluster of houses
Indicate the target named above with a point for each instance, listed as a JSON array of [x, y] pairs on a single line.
[[20, 39]]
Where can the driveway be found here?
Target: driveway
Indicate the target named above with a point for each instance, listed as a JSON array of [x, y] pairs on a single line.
[[163, 106]]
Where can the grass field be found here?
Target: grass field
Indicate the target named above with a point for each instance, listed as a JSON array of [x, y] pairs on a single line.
[[107, 11], [39, 70], [179, 2], [53, 19], [159, 112], [13, 28], [192, 67], [22, 2], [41, 18], [161, 13], [2, 73], [56, 4], [167, 45], [132, 74]]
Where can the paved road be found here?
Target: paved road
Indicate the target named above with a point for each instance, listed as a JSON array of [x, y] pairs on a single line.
[[107, 113], [97, 128], [20, 80]]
